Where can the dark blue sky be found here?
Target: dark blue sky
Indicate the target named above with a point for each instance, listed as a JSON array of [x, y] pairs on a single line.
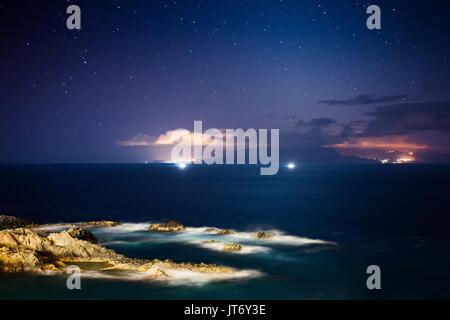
[[138, 69]]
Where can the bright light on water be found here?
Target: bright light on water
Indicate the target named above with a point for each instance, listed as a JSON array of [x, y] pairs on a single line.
[[291, 165], [182, 165]]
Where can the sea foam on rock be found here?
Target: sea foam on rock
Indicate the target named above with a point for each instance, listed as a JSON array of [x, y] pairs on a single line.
[[99, 224], [171, 226], [26, 250]]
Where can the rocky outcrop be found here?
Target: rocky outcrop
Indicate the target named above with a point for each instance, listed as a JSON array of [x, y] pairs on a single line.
[[27, 260], [59, 245], [264, 235], [82, 234], [227, 232], [222, 232], [229, 247], [9, 222], [25, 250], [171, 226], [219, 245], [99, 224]]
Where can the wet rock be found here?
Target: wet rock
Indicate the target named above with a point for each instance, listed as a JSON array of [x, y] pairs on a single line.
[[99, 224], [82, 234], [264, 235], [9, 222], [228, 247], [23, 250], [171, 226], [227, 232], [222, 232]]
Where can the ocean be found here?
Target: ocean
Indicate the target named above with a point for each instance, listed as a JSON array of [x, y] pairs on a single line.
[[393, 216]]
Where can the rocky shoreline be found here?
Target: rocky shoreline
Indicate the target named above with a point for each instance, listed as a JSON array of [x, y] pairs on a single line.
[[52, 248], [24, 247]]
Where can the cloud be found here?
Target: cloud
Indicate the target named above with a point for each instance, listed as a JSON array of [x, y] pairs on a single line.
[[364, 99], [183, 136], [398, 143], [139, 140], [408, 118], [317, 123], [313, 133], [435, 87], [173, 137], [170, 137]]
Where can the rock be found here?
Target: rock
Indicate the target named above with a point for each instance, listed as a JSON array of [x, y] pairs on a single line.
[[82, 234], [171, 226], [222, 232], [27, 260], [99, 224], [226, 232], [232, 247], [211, 241], [264, 235], [24, 250], [9, 222], [60, 245]]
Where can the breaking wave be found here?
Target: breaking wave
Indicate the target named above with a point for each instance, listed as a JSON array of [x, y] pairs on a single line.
[[175, 276]]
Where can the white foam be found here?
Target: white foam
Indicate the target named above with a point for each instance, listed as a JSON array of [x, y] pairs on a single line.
[[174, 276], [279, 237], [56, 227], [188, 277], [127, 227], [195, 235]]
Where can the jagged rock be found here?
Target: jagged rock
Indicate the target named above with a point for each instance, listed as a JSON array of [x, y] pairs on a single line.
[[264, 235], [99, 224], [171, 226], [27, 260], [60, 245], [24, 250], [232, 247], [9, 222], [222, 232], [82, 234]]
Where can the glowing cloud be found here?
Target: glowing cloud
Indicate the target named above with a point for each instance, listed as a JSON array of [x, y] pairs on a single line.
[[382, 143]]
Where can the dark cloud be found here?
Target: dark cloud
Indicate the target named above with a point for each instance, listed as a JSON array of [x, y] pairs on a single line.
[[309, 139], [408, 118], [400, 126], [435, 87], [364, 99], [317, 123], [314, 133]]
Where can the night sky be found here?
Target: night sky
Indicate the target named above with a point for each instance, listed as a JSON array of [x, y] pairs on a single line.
[[139, 69]]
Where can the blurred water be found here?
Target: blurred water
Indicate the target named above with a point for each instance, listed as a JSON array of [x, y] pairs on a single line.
[[392, 216]]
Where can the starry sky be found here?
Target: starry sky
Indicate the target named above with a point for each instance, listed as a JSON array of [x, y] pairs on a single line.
[[139, 69]]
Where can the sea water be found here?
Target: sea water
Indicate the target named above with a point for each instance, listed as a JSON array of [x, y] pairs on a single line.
[[393, 216]]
